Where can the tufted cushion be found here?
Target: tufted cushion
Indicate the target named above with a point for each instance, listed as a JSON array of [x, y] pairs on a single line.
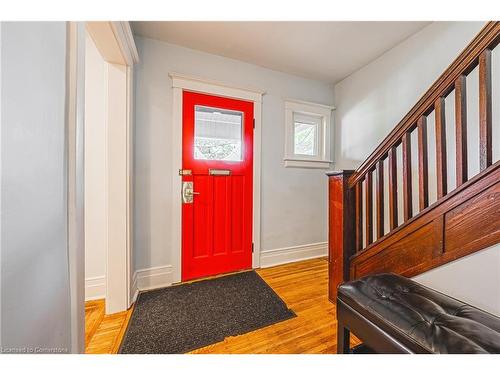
[[428, 319]]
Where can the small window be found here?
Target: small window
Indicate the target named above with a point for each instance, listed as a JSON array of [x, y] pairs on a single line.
[[217, 134], [307, 135]]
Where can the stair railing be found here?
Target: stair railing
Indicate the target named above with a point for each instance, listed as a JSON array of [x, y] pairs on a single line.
[[359, 238]]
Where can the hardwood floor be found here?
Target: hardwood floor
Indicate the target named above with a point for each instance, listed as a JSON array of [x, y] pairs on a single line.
[[302, 285], [103, 333]]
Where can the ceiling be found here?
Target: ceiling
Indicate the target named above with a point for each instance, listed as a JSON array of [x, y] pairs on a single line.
[[328, 51]]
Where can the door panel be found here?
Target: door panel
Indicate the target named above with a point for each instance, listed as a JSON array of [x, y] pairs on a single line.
[[202, 236], [222, 221], [238, 214], [218, 152]]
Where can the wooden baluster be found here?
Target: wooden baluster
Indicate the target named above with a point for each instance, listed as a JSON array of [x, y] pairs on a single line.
[[359, 215], [380, 198], [441, 167], [461, 129], [407, 188], [393, 184], [423, 171], [485, 130], [368, 208]]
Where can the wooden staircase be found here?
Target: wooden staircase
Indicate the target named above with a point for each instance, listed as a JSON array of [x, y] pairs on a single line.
[[460, 222]]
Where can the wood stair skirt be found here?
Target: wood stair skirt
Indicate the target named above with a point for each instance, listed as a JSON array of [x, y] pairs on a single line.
[[459, 223]]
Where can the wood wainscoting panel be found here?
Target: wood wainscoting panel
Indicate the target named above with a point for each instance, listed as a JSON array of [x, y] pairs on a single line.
[[413, 249], [464, 221], [474, 224]]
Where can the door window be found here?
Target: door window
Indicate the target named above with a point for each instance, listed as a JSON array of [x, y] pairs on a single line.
[[217, 134]]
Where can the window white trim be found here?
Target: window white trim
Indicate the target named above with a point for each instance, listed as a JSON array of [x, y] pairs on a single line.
[[301, 163], [310, 104], [182, 82], [322, 158]]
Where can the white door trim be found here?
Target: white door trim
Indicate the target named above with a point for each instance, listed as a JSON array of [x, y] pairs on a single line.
[[182, 82], [75, 113], [115, 42]]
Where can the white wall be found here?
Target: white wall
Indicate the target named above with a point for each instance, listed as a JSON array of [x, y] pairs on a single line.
[[35, 290], [474, 279], [294, 209], [374, 99], [95, 172]]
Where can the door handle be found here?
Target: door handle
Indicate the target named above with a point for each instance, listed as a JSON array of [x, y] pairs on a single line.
[[187, 192]]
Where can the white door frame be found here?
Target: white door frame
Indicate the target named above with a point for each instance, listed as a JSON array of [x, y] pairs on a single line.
[[75, 109], [180, 83], [115, 42]]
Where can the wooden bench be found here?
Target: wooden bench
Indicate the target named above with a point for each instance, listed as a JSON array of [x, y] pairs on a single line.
[[393, 314]]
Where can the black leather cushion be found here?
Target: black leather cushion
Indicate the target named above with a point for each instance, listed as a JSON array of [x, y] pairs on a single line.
[[422, 317]]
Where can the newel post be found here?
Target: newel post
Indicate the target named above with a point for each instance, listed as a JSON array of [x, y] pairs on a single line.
[[341, 235]]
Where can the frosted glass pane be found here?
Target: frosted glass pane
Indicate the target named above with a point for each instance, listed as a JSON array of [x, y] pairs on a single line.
[[217, 134], [305, 135]]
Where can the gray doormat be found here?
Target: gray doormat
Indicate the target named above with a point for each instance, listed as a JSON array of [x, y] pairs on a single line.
[[182, 318]]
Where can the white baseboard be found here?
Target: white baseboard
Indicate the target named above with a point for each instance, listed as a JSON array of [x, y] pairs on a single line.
[[151, 278], [134, 291], [95, 288], [269, 258]]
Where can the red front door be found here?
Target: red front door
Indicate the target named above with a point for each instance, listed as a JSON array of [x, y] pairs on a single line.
[[217, 164]]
